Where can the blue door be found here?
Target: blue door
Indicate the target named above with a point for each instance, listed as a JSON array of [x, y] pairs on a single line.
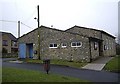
[[22, 50], [31, 51]]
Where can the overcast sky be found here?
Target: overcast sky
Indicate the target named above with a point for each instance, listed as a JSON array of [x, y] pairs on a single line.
[[62, 14]]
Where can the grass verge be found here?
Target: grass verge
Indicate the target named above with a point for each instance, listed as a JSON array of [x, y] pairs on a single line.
[[58, 62], [113, 65], [23, 75], [0, 74]]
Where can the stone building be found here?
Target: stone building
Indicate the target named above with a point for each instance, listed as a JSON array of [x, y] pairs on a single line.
[[104, 42], [75, 44], [9, 43]]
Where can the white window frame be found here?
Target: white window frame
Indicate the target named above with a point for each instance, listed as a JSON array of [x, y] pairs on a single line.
[[106, 47], [76, 44], [53, 45], [64, 46], [95, 45]]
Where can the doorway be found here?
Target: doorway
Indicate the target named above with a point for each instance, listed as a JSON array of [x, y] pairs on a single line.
[[29, 50]]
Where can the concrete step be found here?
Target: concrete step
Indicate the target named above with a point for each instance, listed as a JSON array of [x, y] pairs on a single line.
[[98, 64]]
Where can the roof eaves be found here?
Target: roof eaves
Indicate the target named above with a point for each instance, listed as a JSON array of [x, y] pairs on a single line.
[[91, 29], [108, 34], [11, 36], [51, 29]]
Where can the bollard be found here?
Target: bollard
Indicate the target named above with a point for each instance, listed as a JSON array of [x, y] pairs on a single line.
[[46, 63]]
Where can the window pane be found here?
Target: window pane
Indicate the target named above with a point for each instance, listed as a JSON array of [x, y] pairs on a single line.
[[51, 45], [5, 43], [14, 43], [105, 47], [64, 44], [78, 43], [95, 45], [74, 44], [55, 45]]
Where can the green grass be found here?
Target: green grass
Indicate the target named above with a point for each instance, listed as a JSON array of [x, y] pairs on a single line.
[[23, 75], [59, 62], [113, 64], [0, 74], [67, 63]]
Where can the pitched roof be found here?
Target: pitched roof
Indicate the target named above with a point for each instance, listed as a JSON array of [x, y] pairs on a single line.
[[68, 32], [92, 29], [11, 36], [51, 29]]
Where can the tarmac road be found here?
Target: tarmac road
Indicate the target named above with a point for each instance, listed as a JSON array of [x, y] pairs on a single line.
[[90, 75]]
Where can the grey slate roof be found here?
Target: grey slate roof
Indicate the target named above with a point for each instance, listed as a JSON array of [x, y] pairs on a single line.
[[52, 29], [11, 36], [70, 32], [92, 29]]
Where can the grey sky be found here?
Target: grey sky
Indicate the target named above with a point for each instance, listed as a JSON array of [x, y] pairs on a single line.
[[62, 14]]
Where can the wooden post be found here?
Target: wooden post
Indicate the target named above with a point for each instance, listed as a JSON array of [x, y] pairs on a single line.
[[18, 29], [38, 34]]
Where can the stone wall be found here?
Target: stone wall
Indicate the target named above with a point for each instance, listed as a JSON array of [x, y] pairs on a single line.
[[108, 40], [85, 31], [31, 37], [109, 48], [94, 52], [48, 36], [89, 33]]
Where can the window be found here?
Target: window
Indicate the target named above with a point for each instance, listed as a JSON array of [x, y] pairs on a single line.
[[64, 45], [76, 44], [105, 47], [14, 44], [5, 43], [4, 50], [95, 45], [53, 45]]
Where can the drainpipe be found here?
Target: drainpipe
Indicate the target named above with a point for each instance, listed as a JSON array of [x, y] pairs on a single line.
[[90, 50], [101, 46]]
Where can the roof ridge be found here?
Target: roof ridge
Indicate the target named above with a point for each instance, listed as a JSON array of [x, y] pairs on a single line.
[[92, 29], [5, 32], [52, 29]]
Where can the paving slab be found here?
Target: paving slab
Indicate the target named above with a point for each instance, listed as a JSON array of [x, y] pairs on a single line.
[[98, 64], [16, 61], [94, 66]]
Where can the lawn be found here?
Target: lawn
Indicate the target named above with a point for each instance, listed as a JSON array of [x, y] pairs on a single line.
[[113, 64], [23, 75], [58, 62], [0, 74]]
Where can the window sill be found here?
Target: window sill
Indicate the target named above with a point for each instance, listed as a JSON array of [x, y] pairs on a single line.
[[53, 47]]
